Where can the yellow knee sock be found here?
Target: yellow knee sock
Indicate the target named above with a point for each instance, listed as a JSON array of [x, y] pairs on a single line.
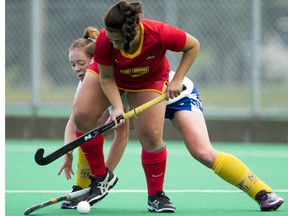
[[232, 170], [83, 170]]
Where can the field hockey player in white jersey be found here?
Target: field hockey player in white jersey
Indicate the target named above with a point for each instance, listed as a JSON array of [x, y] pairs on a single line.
[[186, 115]]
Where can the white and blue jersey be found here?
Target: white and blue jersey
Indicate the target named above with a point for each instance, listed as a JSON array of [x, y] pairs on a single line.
[[188, 100]]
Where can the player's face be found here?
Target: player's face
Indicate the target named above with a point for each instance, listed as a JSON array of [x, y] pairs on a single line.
[[117, 39], [79, 62]]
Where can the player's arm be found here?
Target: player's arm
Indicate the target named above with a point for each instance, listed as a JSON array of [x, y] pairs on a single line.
[[190, 51], [111, 91], [69, 136]]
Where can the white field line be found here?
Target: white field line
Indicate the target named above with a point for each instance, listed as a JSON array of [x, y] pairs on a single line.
[[134, 150], [140, 191]]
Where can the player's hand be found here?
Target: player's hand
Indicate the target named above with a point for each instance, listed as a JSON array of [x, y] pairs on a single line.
[[67, 166], [173, 90], [114, 115]]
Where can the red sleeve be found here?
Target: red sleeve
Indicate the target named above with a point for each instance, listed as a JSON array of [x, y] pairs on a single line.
[[93, 67], [103, 53], [172, 38]]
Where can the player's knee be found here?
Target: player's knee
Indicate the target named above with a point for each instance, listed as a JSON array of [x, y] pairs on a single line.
[[83, 120], [151, 140], [206, 158]]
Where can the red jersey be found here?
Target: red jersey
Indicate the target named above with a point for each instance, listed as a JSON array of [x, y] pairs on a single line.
[[93, 67], [148, 67]]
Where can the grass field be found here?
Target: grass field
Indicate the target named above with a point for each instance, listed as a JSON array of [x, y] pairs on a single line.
[[194, 189]]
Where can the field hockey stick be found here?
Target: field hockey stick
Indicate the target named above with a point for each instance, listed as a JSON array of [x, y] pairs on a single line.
[[69, 196], [93, 133]]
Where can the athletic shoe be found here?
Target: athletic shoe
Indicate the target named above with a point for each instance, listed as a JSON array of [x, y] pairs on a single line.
[[160, 203], [268, 201], [100, 186], [72, 204]]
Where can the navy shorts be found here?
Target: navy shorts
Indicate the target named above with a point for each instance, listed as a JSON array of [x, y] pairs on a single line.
[[192, 102]]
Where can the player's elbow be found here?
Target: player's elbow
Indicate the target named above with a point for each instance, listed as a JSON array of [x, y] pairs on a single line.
[[192, 44]]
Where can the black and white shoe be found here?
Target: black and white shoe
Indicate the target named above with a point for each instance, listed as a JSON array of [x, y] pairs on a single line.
[[160, 203], [100, 187]]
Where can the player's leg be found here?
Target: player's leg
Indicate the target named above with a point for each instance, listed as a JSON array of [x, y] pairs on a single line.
[[192, 127], [90, 102], [83, 170], [194, 132], [234, 171], [149, 129], [115, 153], [119, 143]]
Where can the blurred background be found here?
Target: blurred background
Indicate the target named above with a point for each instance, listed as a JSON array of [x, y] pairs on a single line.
[[241, 72]]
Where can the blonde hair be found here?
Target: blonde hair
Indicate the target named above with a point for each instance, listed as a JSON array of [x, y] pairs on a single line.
[[87, 41]]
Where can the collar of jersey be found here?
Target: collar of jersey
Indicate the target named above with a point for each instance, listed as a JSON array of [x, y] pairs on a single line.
[[138, 51]]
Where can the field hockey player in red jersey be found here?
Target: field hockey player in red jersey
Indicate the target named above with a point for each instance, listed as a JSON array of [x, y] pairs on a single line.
[[131, 57]]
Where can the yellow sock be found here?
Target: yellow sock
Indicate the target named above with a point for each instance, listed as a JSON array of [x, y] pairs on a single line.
[[232, 170], [83, 170]]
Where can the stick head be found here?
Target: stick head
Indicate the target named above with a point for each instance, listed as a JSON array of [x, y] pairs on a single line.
[[39, 157]]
